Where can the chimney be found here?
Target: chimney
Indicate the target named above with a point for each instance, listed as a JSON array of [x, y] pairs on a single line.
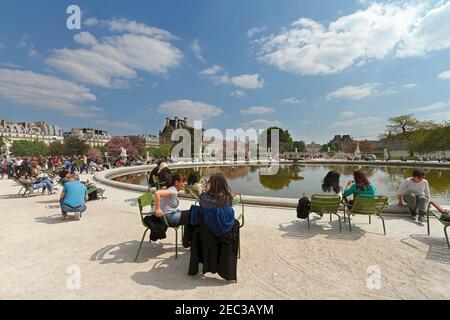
[[185, 121], [176, 123], [167, 122]]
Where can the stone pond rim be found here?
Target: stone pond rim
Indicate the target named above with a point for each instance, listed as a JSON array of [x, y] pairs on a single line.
[[105, 177]]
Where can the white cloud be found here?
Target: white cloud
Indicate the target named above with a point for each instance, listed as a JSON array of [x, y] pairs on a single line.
[[438, 116], [409, 28], [197, 50], [115, 60], [357, 123], [354, 92], [432, 107], [410, 86], [210, 71], [347, 114], [46, 92], [194, 110], [124, 25], [85, 38], [262, 124], [429, 32], [444, 75], [253, 31], [245, 81], [258, 110], [238, 94], [119, 125], [293, 100]]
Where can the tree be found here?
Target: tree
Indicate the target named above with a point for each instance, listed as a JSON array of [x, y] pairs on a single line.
[[163, 151], [116, 143], [136, 141], [75, 146], [26, 148], [56, 148], [2, 142], [365, 147], [94, 153], [285, 139], [299, 145]]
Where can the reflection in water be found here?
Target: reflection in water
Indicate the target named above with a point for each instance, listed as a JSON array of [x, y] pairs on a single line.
[[282, 179], [292, 181]]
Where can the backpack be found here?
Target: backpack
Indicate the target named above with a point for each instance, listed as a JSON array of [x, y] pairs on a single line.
[[303, 208]]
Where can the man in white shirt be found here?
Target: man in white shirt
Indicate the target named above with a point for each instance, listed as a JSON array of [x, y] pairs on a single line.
[[415, 191]]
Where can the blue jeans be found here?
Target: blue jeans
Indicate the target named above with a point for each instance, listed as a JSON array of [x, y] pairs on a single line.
[[173, 218], [44, 183], [66, 208]]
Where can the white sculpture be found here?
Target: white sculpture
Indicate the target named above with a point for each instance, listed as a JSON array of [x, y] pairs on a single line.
[[123, 152], [6, 146]]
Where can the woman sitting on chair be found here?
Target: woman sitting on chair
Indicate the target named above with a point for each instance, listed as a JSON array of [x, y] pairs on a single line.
[[360, 186], [217, 193], [166, 202]]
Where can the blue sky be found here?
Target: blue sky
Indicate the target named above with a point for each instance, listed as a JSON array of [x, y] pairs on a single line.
[[317, 68]]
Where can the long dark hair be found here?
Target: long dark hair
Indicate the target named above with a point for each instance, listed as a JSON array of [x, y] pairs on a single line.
[[331, 182], [218, 188], [174, 178], [361, 180]]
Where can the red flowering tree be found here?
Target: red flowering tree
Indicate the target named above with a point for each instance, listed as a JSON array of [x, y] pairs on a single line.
[[115, 144]]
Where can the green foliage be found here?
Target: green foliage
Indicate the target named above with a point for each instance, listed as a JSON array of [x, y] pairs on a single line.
[[25, 148], [56, 148], [102, 149], [334, 147], [300, 145], [286, 142], [74, 146], [2, 142], [163, 151], [420, 136]]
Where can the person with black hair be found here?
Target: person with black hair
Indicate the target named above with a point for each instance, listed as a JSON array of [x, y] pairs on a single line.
[[415, 191]]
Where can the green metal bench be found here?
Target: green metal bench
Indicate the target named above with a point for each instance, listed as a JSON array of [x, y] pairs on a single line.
[[438, 214]]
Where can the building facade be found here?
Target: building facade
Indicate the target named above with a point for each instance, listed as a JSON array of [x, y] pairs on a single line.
[[313, 147], [31, 131], [92, 137], [165, 134], [149, 141]]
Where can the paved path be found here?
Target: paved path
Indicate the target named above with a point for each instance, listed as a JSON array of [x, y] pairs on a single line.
[[281, 259]]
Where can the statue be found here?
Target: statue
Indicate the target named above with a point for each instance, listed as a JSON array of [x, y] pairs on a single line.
[[6, 147], [357, 151], [123, 152]]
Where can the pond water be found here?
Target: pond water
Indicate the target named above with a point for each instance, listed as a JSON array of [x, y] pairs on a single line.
[[291, 181]]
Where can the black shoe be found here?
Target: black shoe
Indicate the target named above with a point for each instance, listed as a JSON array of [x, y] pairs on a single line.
[[413, 217], [421, 218]]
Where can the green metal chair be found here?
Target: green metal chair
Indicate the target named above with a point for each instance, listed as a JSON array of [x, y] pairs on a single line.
[[369, 205], [193, 192], [159, 185], [146, 200], [438, 214], [93, 188], [326, 204], [237, 201]]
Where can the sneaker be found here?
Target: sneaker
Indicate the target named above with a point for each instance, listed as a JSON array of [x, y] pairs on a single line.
[[77, 216], [64, 217], [413, 217], [421, 219]]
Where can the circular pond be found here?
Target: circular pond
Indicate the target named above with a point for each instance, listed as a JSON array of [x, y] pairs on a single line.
[[292, 180]]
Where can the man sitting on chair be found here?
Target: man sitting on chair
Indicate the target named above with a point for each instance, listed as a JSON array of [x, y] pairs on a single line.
[[416, 193], [73, 197]]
